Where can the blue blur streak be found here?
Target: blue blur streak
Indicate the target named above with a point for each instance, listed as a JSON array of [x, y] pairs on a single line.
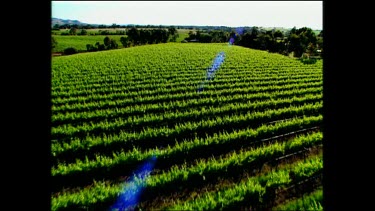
[[240, 31], [219, 59], [131, 193], [231, 40]]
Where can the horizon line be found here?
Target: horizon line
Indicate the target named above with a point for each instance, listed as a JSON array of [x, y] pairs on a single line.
[[125, 24]]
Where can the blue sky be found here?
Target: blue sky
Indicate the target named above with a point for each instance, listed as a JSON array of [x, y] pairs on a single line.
[[213, 13]]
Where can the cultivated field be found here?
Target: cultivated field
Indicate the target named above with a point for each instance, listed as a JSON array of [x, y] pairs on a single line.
[[79, 42], [251, 139]]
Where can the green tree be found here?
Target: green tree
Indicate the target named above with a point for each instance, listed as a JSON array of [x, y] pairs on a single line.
[[113, 44], [300, 39], [99, 46], [114, 26], [172, 32], [83, 32], [56, 27], [107, 41], [311, 49], [198, 35], [133, 35], [191, 35], [294, 45], [53, 42], [143, 36], [278, 34], [125, 42], [320, 34], [70, 51], [73, 31], [254, 31]]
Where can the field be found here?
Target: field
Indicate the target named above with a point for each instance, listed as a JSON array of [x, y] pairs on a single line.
[[183, 34], [80, 42], [95, 31], [131, 122]]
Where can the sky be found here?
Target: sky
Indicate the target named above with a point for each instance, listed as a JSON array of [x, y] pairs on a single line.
[[287, 14]]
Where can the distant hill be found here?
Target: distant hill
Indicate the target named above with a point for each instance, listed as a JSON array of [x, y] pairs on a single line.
[[63, 21], [191, 27]]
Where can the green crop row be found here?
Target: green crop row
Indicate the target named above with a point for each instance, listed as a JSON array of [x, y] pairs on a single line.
[[115, 104], [133, 123], [158, 108], [121, 101], [183, 147], [101, 191], [312, 201], [113, 110], [220, 166], [185, 86], [254, 188], [245, 88], [202, 167], [138, 79], [132, 78], [66, 132], [117, 61]]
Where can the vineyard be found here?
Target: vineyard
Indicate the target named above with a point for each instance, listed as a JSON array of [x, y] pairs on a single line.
[[131, 130]]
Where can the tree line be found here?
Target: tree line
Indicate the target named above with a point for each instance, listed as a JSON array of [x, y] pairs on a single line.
[[129, 26], [300, 42], [134, 37]]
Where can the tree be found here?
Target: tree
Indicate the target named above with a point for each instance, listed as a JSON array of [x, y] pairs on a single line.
[[133, 35], [319, 43], [293, 30], [246, 40], [83, 32], [73, 31], [113, 45], [91, 48], [320, 34], [191, 35], [164, 35], [143, 36], [254, 31], [70, 51], [56, 27], [300, 39], [53, 42], [198, 35], [264, 41], [107, 41], [278, 34], [125, 42], [114, 26], [172, 31], [99, 46], [311, 49], [294, 45]]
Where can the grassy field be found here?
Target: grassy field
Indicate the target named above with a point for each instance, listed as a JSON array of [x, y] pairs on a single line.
[[80, 42], [149, 127], [183, 34], [89, 31]]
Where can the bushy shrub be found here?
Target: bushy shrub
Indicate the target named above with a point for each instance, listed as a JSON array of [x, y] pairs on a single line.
[[70, 51]]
